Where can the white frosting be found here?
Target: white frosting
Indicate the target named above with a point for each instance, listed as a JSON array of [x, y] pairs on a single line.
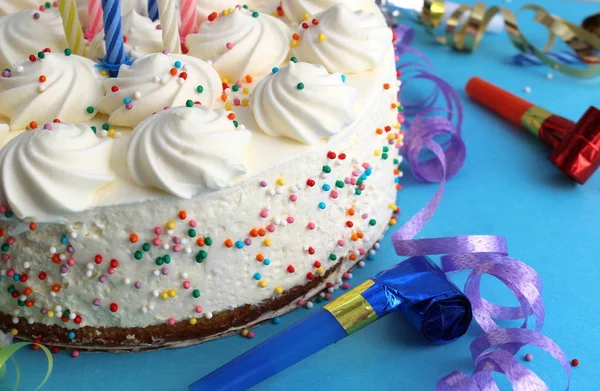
[[140, 6], [8, 7], [350, 42], [142, 36], [300, 10], [45, 174], [72, 85], [187, 150], [151, 87], [258, 44], [207, 7], [322, 108], [21, 35]]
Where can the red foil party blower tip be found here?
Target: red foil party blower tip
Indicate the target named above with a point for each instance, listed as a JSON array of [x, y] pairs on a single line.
[[576, 146]]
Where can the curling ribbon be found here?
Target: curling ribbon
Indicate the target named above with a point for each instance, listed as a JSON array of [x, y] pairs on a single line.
[[7, 352], [480, 253], [466, 37], [562, 56]]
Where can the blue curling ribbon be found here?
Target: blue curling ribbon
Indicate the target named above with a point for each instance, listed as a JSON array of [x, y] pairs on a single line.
[[562, 56], [416, 287]]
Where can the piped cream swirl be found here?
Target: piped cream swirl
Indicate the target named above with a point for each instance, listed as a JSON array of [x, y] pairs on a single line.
[[241, 43], [45, 174], [55, 87], [304, 102], [344, 41], [28, 32], [8, 7], [298, 11], [187, 150]]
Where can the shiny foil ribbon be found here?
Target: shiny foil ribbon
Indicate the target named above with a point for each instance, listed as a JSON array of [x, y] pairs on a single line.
[[7, 352], [583, 40]]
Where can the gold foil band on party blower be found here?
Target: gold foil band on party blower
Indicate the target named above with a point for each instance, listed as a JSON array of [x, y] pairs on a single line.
[[352, 310], [533, 119], [466, 37]]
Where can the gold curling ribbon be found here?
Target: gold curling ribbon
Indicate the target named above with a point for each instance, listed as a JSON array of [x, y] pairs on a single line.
[[468, 36], [351, 310]]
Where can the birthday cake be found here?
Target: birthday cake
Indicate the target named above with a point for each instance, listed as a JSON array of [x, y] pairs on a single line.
[[193, 195]]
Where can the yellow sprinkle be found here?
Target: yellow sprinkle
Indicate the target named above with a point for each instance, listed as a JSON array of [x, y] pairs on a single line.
[[262, 283], [51, 314], [164, 295], [376, 152], [392, 206], [278, 290], [294, 43], [397, 126], [244, 102], [171, 224], [392, 221], [320, 270], [193, 321], [228, 106], [306, 16], [274, 14], [111, 132], [246, 90], [172, 292], [267, 242], [104, 73], [225, 80], [14, 331], [280, 181], [391, 136], [245, 332], [322, 37]]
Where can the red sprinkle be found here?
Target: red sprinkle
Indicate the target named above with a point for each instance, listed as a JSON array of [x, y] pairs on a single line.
[[291, 269], [574, 362], [114, 263], [114, 88], [212, 16], [331, 155], [315, 22], [183, 75], [32, 58], [114, 307], [42, 276], [47, 50], [310, 276], [310, 182], [311, 250], [342, 156], [317, 264], [305, 25], [98, 259], [78, 319], [349, 224]]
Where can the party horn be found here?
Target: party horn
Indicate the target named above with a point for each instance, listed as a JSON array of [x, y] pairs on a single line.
[[417, 288], [576, 146]]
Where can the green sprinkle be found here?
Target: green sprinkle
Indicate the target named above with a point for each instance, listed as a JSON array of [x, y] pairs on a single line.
[[11, 289], [48, 4], [167, 259], [332, 257], [201, 256], [357, 192], [200, 89], [146, 247], [159, 261], [300, 86], [235, 123], [245, 6], [196, 293], [326, 169], [5, 247], [66, 314], [138, 255], [189, 103], [90, 109], [208, 241], [255, 14], [294, 59], [400, 108], [396, 161], [105, 126], [386, 149], [339, 184], [359, 182], [372, 222], [235, 87], [94, 129], [8, 214], [192, 233], [384, 156], [68, 52], [21, 303]]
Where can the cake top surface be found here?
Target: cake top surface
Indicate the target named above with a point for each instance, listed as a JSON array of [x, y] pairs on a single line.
[[255, 90]]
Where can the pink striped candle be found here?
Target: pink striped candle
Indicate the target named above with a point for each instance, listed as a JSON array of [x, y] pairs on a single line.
[[95, 15], [189, 19]]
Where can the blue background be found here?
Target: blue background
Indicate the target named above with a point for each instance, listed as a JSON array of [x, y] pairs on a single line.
[[507, 187]]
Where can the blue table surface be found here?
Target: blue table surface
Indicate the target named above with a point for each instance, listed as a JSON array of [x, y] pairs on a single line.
[[507, 187]]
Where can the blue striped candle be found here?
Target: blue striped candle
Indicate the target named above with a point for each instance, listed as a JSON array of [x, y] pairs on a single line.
[[113, 32], [153, 9]]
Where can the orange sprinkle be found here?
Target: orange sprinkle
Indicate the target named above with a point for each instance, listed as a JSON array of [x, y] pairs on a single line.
[[295, 37], [133, 238], [360, 235], [224, 97], [393, 105], [30, 303], [354, 237], [1, 231], [173, 71], [379, 131], [351, 212], [228, 243], [398, 187], [248, 79], [33, 125], [56, 288], [262, 232], [352, 257], [32, 226], [42, 79], [386, 86], [231, 116], [254, 232], [27, 291], [396, 171], [200, 242], [55, 258], [182, 215], [260, 257]]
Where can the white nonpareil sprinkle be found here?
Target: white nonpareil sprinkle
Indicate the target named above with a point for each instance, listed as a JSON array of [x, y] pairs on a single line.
[[309, 304], [26, 265], [127, 281], [209, 315], [527, 89], [549, 76], [87, 274], [155, 293], [156, 273]]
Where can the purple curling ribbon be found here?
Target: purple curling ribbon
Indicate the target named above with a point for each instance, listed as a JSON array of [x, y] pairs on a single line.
[[494, 350]]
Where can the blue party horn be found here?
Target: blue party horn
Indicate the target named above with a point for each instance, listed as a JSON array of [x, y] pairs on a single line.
[[416, 287]]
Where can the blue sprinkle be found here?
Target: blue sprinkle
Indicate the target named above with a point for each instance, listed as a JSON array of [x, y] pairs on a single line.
[[71, 335], [257, 276], [16, 277], [396, 180], [343, 78], [363, 177], [275, 70], [322, 205], [276, 320], [239, 244], [266, 262], [64, 239], [370, 257], [368, 171], [177, 64], [127, 100], [326, 187]]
